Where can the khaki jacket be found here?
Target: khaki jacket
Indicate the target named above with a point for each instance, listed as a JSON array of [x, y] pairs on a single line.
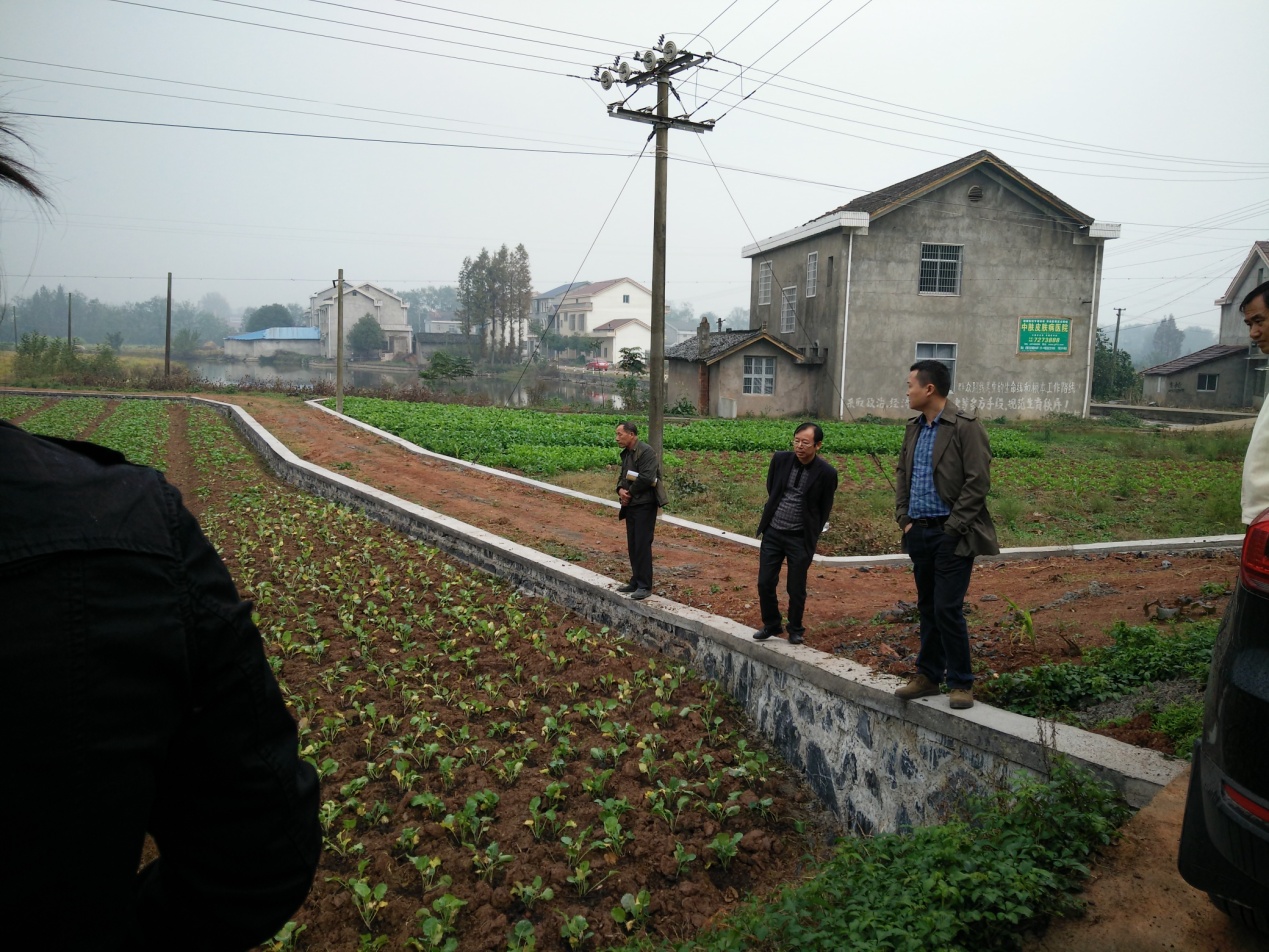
[[962, 478]]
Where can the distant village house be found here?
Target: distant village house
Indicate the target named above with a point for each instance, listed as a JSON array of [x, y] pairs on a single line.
[[359, 300]]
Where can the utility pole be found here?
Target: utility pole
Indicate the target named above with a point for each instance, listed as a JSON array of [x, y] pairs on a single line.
[[69, 344], [1114, 351], [658, 70], [15, 327], [167, 341], [339, 347]]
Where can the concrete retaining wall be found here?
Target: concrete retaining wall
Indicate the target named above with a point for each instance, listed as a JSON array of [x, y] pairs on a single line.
[[877, 763]]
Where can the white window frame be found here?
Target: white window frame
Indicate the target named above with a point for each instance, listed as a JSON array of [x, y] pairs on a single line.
[[759, 376], [812, 272], [937, 256], [764, 282], [788, 310], [581, 323], [932, 352], [1213, 379]]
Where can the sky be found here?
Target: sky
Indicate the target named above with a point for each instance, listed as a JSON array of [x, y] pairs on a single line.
[[253, 148]]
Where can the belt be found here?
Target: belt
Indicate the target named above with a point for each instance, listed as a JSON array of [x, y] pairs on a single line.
[[932, 522]]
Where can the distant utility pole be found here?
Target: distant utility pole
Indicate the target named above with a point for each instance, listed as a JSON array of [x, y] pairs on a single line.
[[339, 347], [167, 344], [1114, 351], [658, 70], [69, 345]]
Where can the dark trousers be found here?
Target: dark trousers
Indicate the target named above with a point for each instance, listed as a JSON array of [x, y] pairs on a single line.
[[641, 524], [942, 578], [778, 547]]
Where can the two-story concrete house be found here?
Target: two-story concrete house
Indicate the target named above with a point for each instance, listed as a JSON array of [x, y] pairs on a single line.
[[359, 300], [972, 263]]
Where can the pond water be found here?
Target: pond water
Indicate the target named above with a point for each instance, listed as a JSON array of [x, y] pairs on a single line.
[[595, 389]]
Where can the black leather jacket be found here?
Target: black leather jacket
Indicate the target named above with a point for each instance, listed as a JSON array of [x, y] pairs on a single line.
[[137, 700]]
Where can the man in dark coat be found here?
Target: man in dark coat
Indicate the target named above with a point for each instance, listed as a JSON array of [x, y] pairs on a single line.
[[800, 487], [941, 486], [641, 493], [138, 700]]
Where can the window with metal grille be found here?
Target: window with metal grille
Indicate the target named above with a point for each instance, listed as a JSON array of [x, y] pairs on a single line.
[[1207, 383], [940, 269], [764, 282], [759, 376], [812, 272], [943, 353], [788, 307]]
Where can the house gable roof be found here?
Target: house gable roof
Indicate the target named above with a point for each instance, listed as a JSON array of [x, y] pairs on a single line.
[[617, 323], [887, 199], [1207, 354], [562, 289], [722, 344], [1259, 253], [590, 290]]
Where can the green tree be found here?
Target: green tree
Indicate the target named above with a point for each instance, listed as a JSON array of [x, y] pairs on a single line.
[[271, 315], [1113, 376], [115, 341], [494, 293], [185, 343], [1167, 342], [366, 338], [632, 361], [446, 366]]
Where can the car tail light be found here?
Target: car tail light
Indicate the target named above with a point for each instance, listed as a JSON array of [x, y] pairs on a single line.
[[1255, 561], [1254, 807]]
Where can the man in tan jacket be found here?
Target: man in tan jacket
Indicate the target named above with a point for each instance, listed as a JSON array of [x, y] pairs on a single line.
[[941, 487]]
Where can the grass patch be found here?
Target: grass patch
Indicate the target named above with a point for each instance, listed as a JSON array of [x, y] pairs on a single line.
[[1138, 655], [974, 883]]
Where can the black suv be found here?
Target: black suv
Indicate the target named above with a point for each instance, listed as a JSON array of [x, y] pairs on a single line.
[[1225, 837]]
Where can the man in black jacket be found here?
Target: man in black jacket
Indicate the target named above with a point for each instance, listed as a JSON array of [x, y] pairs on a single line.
[[138, 700], [800, 487], [640, 492]]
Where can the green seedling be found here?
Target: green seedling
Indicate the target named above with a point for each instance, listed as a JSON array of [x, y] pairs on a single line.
[[632, 914], [528, 893], [724, 848], [428, 867]]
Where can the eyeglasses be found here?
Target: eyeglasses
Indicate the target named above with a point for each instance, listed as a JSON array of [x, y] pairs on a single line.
[[803, 444]]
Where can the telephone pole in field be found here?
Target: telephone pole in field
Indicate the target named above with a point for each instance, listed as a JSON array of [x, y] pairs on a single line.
[[658, 66]]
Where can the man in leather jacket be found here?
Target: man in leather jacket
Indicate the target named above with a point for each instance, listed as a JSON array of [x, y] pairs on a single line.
[[800, 488]]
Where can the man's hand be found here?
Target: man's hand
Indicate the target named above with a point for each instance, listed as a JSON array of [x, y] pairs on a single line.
[[624, 496], [907, 527]]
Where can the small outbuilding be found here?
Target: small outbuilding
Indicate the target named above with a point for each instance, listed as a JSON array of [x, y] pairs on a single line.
[[1208, 378], [274, 341], [741, 373]]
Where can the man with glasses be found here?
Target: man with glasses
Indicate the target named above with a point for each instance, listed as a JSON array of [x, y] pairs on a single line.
[[800, 487]]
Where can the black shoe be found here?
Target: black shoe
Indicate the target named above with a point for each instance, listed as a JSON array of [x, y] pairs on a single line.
[[795, 638], [628, 587], [640, 593], [762, 634]]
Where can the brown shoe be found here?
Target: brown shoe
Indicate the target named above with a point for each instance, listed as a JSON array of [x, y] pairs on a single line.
[[961, 698], [920, 686]]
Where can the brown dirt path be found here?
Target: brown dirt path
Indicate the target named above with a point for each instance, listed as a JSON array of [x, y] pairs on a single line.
[[1137, 901]]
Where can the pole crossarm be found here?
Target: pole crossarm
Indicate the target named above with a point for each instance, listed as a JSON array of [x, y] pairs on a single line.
[[638, 115]]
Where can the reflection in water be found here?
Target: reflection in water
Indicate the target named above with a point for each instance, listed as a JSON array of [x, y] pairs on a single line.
[[597, 390]]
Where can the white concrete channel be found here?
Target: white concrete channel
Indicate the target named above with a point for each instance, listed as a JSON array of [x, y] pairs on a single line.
[[878, 764]]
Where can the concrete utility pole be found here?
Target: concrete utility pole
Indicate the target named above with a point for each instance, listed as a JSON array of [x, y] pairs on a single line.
[[1114, 351], [658, 70], [339, 347], [167, 343], [69, 344]]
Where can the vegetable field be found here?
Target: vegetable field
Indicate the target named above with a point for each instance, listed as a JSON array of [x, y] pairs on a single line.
[[1052, 483], [496, 773]]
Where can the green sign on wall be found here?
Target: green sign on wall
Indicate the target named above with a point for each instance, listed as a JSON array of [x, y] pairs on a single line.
[[1044, 335]]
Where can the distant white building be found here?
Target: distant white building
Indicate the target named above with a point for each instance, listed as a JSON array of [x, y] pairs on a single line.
[[620, 334], [583, 310], [359, 300]]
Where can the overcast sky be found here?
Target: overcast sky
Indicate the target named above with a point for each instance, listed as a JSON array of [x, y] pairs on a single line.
[[393, 138]]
